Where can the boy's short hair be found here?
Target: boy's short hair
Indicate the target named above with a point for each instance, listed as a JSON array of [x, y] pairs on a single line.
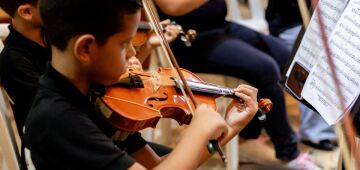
[[64, 19], [11, 6]]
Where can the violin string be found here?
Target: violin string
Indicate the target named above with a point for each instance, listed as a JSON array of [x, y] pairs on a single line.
[[212, 85], [212, 89], [149, 9]]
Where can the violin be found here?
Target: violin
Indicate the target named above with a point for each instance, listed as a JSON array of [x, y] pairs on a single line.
[[145, 30], [140, 99], [154, 115], [4, 18]]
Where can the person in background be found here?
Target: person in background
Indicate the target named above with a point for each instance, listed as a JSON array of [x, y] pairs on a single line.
[[63, 129], [24, 56], [143, 51], [227, 48], [285, 22]]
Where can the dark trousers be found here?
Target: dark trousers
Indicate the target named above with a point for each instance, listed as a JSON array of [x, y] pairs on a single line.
[[254, 57], [160, 150]]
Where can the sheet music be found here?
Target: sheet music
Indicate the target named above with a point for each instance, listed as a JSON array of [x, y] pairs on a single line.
[[319, 89], [311, 46]]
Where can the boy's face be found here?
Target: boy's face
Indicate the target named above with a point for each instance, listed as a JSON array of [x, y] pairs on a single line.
[[111, 59]]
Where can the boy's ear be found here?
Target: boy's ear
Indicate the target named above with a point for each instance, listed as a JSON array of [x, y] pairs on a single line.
[[25, 11], [83, 47]]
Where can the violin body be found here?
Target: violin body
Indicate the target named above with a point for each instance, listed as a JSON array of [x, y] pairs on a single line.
[[133, 108]]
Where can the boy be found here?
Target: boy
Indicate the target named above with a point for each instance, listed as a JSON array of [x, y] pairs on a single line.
[[26, 54], [91, 41], [24, 57]]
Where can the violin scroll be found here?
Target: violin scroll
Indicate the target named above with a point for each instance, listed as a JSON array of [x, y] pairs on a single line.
[[188, 36], [146, 28], [265, 105]]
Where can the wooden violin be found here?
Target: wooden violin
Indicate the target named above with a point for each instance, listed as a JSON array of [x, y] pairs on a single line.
[[145, 30], [140, 99], [4, 18]]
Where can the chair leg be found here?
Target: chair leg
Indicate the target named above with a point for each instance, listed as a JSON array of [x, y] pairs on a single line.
[[232, 149]]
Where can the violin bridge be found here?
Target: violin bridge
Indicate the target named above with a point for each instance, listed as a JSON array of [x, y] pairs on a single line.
[[155, 80]]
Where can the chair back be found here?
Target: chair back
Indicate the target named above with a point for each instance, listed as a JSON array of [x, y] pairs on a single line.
[[1, 45], [257, 19], [8, 144], [4, 31]]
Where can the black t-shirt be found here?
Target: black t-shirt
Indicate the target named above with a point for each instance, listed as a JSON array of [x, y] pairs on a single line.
[[209, 16], [63, 131], [21, 63]]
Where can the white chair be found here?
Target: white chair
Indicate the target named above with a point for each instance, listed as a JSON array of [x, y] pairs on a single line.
[[9, 145], [4, 31], [257, 20], [1, 45], [9, 140]]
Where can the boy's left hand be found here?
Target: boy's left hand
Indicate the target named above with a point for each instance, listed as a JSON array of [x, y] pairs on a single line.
[[240, 112]]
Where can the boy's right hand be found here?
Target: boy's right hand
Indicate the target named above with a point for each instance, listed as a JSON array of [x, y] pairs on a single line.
[[209, 122]]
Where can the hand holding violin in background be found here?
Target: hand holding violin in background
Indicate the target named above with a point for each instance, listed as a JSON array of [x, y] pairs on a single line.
[[143, 50], [172, 31]]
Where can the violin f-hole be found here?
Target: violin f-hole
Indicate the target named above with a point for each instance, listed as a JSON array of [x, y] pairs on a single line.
[[150, 100]]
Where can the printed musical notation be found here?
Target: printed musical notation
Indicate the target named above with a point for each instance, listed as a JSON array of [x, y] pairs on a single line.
[[342, 25]]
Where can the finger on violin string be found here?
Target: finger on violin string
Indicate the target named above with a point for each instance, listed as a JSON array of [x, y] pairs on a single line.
[[169, 33], [246, 86], [249, 100], [240, 107], [248, 89], [244, 96], [246, 93], [172, 31], [165, 22]]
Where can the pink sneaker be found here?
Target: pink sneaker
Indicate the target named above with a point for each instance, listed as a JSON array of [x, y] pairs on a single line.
[[302, 162]]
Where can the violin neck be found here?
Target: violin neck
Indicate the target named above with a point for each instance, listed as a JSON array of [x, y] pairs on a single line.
[[209, 89], [146, 26]]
